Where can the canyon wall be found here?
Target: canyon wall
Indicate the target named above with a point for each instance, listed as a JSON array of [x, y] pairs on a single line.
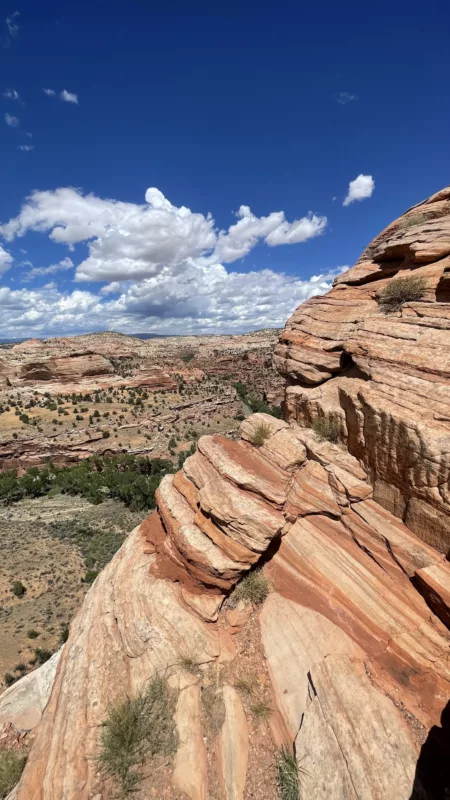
[[385, 376], [349, 651]]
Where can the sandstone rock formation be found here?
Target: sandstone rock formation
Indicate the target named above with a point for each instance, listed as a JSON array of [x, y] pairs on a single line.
[[344, 632], [352, 642], [385, 376]]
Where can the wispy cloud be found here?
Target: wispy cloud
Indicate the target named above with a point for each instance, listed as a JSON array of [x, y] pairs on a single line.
[[362, 187], [68, 97], [49, 92], [26, 147], [344, 97], [12, 24], [27, 133], [11, 120], [66, 263], [11, 94]]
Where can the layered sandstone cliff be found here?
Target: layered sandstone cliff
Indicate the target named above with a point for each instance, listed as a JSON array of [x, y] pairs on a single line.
[[350, 650], [385, 376]]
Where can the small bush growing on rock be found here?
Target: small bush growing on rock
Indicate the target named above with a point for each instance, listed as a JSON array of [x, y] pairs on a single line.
[[261, 710], [134, 731], [288, 780], [253, 587], [18, 589], [417, 219], [41, 655], [260, 434], [327, 427], [11, 768], [400, 291]]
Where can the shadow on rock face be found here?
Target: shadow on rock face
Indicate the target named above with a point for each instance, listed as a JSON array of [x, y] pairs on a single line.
[[432, 778]]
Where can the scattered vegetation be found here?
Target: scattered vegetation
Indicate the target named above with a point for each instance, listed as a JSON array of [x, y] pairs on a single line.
[[134, 731], [253, 587], [41, 655], [400, 291], [11, 768], [246, 686], [288, 779], [260, 434], [327, 427], [213, 707], [254, 404], [188, 356], [128, 478], [95, 545]]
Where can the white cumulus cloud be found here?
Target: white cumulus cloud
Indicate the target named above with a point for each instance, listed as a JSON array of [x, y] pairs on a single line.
[[49, 92], [359, 189], [127, 241], [163, 267], [11, 120], [26, 147], [68, 97]]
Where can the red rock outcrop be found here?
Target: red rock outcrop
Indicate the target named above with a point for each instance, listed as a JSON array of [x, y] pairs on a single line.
[[352, 640], [347, 637], [385, 377]]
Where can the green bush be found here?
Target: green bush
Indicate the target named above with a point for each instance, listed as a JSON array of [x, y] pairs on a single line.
[[134, 731], [11, 768], [32, 634], [18, 589], [288, 781], [327, 427], [253, 587], [260, 435], [400, 291]]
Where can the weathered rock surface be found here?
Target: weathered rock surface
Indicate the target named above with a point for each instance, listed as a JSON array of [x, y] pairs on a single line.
[[385, 377], [345, 631], [23, 703], [354, 631]]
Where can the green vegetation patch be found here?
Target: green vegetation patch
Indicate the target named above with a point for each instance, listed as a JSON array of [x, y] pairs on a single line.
[[288, 780], [254, 403], [135, 731], [11, 768], [327, 427], [131, 479], [253, 587]]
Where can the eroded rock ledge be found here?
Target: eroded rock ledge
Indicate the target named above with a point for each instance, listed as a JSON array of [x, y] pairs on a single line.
[[385, 377], [357, 661]]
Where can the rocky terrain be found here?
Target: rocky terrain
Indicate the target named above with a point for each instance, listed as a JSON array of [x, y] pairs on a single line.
[[63, 398], [292, 586]]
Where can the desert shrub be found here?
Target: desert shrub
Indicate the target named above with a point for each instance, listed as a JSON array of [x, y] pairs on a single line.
[[18, 589], [134, 731], [417, 219], [32, 634], [11, 768], [400, 291], [327, 427], [187, 357], [260, 434], [288, 781], [9, 679], [261, 710], [41, 655], [64, 633], [253, 587]]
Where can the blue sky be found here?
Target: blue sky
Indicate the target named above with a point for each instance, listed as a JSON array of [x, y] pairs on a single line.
[[273, 107]]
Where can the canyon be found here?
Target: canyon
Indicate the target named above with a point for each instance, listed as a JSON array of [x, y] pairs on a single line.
[[341, 509]]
